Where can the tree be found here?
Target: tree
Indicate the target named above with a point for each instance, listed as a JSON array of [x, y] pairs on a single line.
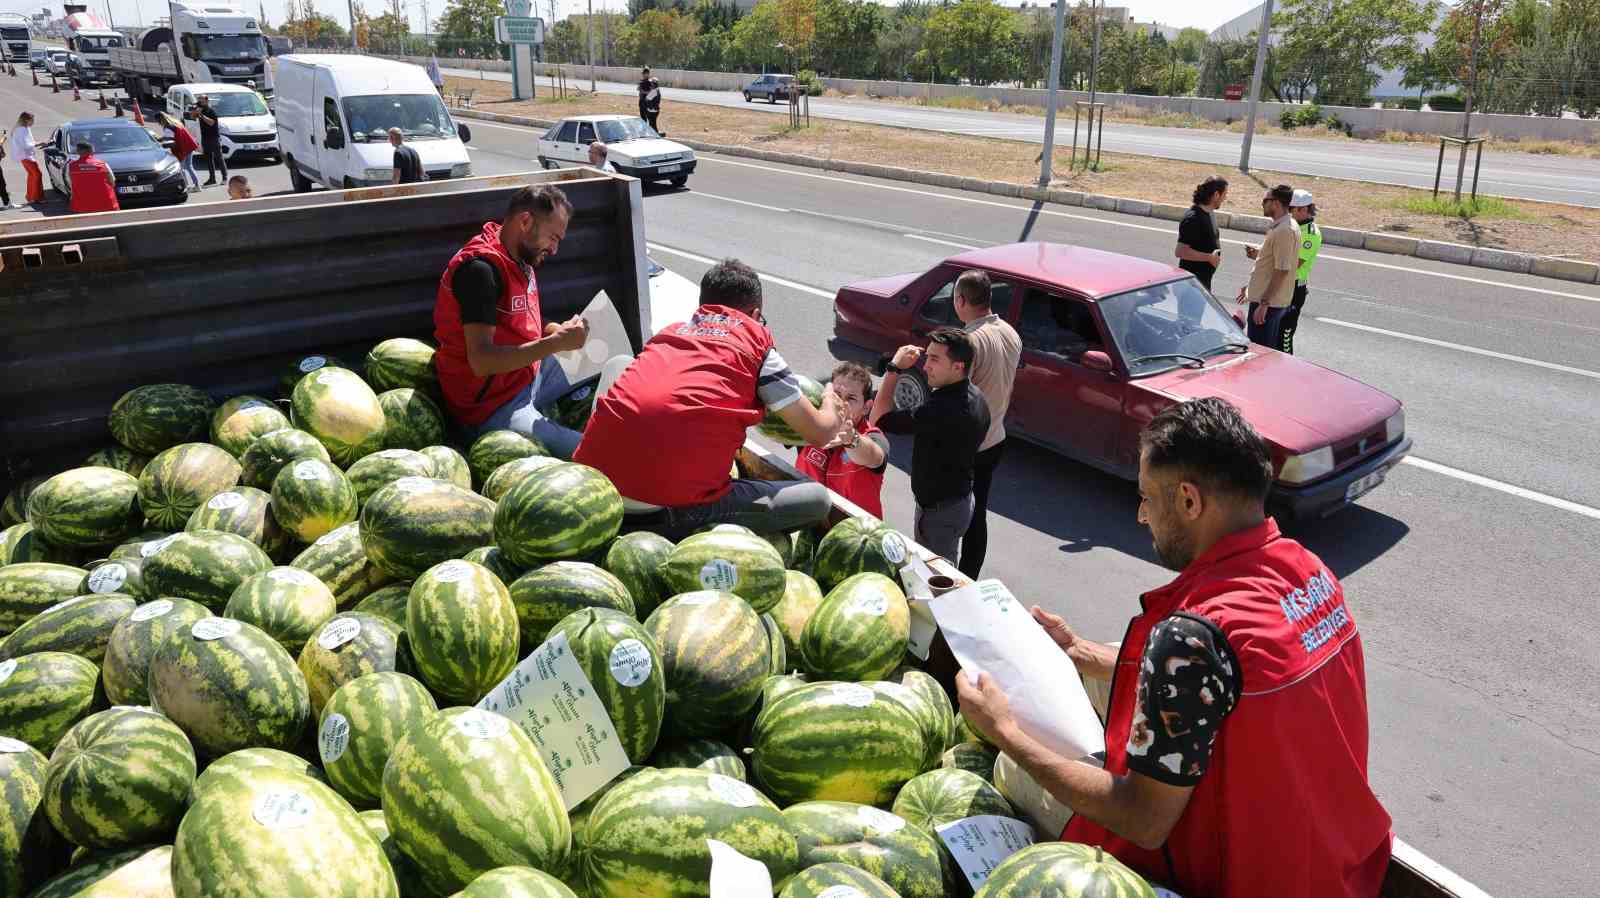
[[1228, 62], [973, 39], [754, 38], [661, 38], [469, 25], [847, 37], [797, 29], [307, 25], [900, 42], [1341, 45]]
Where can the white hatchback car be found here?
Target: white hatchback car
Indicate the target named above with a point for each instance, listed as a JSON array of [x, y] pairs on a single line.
[[632, 147]]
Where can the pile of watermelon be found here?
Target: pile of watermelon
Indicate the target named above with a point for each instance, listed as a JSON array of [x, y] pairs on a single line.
[[241, 645]]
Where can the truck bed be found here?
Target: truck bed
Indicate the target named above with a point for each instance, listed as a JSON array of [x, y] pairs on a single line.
[[151, 64]]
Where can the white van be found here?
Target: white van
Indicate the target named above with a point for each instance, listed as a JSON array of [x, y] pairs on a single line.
[[335, 112], [244, 122]]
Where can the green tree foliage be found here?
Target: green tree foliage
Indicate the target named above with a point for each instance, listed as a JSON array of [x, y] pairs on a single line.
[[973, 40], [847, 34], [661, 38], [1339, 46], [901, 56], [469, 25]]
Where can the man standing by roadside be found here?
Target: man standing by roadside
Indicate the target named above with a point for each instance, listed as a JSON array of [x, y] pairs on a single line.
[[407, 164], [649, 97], [996, 350], [597, 157], [948, 428], [1304, 209], [211, 141], [1271, 286], [1199, 249], [26, 152], [94, 187]]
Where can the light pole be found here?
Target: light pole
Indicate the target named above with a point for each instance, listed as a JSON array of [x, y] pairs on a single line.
[[1050, 101], [589, 27], [1094, 54], [355, 40], [1255, 85]]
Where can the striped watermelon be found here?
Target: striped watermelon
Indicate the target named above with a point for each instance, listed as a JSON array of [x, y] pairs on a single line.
[[502, 479], [361, 724], [388, 603], [134, 642], [496, 561], [417, 522], [928, 700], [624, 666], [44, 694], [780, 685], [873, 840], [805, 550], [311, 497], [266, 456], [14, 510], [730, 560], [156, 417], [573, 871], [244, 419], [114, 874], [465, 791], [962, 731], [647, 837], [495, 448], [29, 849], [635, 559], [701, 754], [119, 778], [449, 465], [859, 632], [1067, 869], [181, 479], [462, 628], [944, 796], [545, 596], [243, 511], [801, 596], [206, 566], [32, 586], [278, 828], [21, 543], [516, 882], [973, 757], [412, 420], [774, 428], [832, 880], [361, 644], [378, 470], [401, 362], [80, 626], [777, 653], [120, 457], [406, 874], [858, 545], [287, 603], [934, 728], [141, 545], [297, 370], [339, 560], [85, 507], [715, 654], [562, 511], [229, 686], [246, 761], [836, 742], [338, 408]]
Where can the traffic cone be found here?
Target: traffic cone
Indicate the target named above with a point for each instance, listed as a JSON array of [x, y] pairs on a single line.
[[103, 106], [138, 115], [35, 76], [55, 86]]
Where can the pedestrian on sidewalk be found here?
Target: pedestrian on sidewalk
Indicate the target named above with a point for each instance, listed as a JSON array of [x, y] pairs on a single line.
[[434, 75], [407, 164], [183, 146], [948, 428], [211, 141], [1199, 249], [1304, 209], [94, 187], [1271, 286], [996, 350], [26, 152], [649, 98]]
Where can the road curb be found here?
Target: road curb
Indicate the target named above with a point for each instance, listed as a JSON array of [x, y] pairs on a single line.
[[1375, 241]]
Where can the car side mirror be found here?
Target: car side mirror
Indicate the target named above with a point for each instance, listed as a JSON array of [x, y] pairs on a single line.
[[663, 134], [1096, 360], [463, 132], [168, 143], [1238, 316], [335, 139]]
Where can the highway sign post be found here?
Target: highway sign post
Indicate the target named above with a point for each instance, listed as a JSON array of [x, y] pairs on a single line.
[[521, 31]]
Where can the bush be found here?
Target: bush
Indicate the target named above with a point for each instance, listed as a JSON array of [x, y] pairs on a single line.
[[1300, 117], [1412, 103], [1340, 125], [1447, 103], [809, 82]]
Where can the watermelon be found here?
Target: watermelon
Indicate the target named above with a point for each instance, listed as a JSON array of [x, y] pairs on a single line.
[[417, 522], [339, 560], [777, 654], [32, 586], [80, 626], [858, 545], [801, 596], [449, 465], [29, 849], [502, 479], [229, 686], [85, 507], [389, 603], [465, 791], [181, 479], [242, 420], [351, 645], [287, 603], [412, 420], [546, 595], [462, 628], [702, 754], [496, 561], [122, 576], [15, 508], [833, 880], [873, 840], [928, 700], [495, 448], [401, 362], [338, 408], [206, 566], [406, 874], [311, 497], [359, 727], [562, 511], [243, 511], [123, 459], [516, 882], [775, 428], [119, 778], [715, 654], [780, 685], [859, 632], [973, 757], [140, 546], [1065, 869], [246, 761], [635, 559], [380, 469], [805, 549], [21, 543], [572, 872], [153, 418], [729, 560], [647, 837], [836, 742], [44, 694], [114, 874], [624, 667], [573, 409], [134, 642], [278, 828], [942, 796], [297, 370], [266, 456], [962, 731]]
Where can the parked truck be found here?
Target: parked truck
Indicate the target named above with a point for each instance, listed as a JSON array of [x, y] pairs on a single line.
[[16, 37], [214, 43], [90, 42]]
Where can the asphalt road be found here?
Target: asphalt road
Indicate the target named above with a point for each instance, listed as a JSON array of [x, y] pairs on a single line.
[[1470, 571]]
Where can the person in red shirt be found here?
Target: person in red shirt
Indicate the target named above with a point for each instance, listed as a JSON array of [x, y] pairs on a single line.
[[183, 147], [853, 464], [665, 431], [1236, 730], [94, 188]]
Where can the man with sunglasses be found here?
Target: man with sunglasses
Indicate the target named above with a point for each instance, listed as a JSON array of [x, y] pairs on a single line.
[[1271, 286]]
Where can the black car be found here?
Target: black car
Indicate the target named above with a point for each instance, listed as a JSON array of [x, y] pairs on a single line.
[[146, 172]]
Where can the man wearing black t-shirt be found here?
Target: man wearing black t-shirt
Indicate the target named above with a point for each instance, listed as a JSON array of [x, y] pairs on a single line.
[[649, 97], [407, 164], [211, 141], [1199, 249]]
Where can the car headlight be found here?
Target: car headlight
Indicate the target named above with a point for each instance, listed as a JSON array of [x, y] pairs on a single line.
[[1395, 427], [1307, 466], [464, 170], [378, 174], [167, 167]]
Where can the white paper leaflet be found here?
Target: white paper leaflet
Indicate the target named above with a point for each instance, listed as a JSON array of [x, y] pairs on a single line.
[[979, 844], [735, 876]]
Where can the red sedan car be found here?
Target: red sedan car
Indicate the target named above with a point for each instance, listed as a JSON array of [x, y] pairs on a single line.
[[1109, 340]]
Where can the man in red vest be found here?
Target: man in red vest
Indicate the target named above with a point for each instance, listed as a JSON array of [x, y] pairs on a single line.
[[486, 318], [666, 430], [1236, 732], [94, 188], [853, 464]]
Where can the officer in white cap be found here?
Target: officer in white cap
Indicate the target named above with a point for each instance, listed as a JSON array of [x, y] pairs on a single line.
[[1304, 209]]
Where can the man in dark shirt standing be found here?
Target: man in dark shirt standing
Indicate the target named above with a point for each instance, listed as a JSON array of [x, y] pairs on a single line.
[[407, 164], [1199, 249], [948, 427], [649, 97], [211, 141]]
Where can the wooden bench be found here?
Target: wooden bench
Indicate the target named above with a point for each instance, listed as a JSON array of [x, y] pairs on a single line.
[[462, 99]]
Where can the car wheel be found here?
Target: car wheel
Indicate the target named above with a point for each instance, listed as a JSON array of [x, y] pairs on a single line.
[[680, 181], [348, 184], [299, 182], [747, 96], [772, 99], [910, 390]]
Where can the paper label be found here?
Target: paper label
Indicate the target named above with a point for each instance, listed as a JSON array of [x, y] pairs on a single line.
[[311, 363], [840, 892], [151, 610], [329, 377], [980, 843], [108, 577], [63, 604], [12, 746], [7, 668], [630, 663], [853, 694], [735, 876], [452, 572], [393, 453], [250, 405], [479, 725], [308, 469], [719, 573], [882, 821], [1165, 893], [209, 628], [333, 737], [923, 629], [292, 575], [548, 696], [339, 632], [224, 501], [282, 809], [156, 545], [873, 604], [333, 535], [412, 484], [734, 792], [894, 548], [696, 598]]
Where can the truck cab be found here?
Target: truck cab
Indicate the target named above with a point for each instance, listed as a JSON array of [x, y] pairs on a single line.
[[90, 43], [245, 124], [17, 36], [220, 43]]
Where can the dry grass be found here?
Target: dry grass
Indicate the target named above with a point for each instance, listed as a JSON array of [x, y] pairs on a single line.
[[1514, 224]]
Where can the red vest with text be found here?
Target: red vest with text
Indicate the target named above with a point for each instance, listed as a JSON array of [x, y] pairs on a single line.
[[470, 398], [667, 430], [91, 187], [1284, 810], [833, 469]]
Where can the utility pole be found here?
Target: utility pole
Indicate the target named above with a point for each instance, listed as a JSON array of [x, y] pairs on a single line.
[[1255, 84], [1472, 88], [355, 41], [1094, 54], [588, 27], [1050, 102]]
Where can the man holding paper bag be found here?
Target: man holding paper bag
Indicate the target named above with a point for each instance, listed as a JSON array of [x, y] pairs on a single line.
[[1236, 733]]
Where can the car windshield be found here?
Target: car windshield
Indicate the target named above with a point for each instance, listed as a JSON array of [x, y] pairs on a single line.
[[58, 54], [98, 43], [112, 140], [418, 116], [1160, 327], [232, 46], [618, 130], [238, 104]]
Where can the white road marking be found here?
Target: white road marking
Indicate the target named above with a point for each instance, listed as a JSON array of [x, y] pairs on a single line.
[[938, 241], [1567, 369], [729, 199], [1502, 486], [774, 279]]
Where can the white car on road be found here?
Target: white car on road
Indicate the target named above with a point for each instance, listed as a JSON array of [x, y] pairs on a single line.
[[632, 147]]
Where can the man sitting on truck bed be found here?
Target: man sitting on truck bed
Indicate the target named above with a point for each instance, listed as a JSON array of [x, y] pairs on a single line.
[[491, 336], [1236, 731]]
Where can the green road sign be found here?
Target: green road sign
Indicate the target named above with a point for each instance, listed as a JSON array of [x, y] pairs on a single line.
[[519, 30]]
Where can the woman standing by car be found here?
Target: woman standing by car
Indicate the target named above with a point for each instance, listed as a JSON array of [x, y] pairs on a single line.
[[26, 151], [183, 147]]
